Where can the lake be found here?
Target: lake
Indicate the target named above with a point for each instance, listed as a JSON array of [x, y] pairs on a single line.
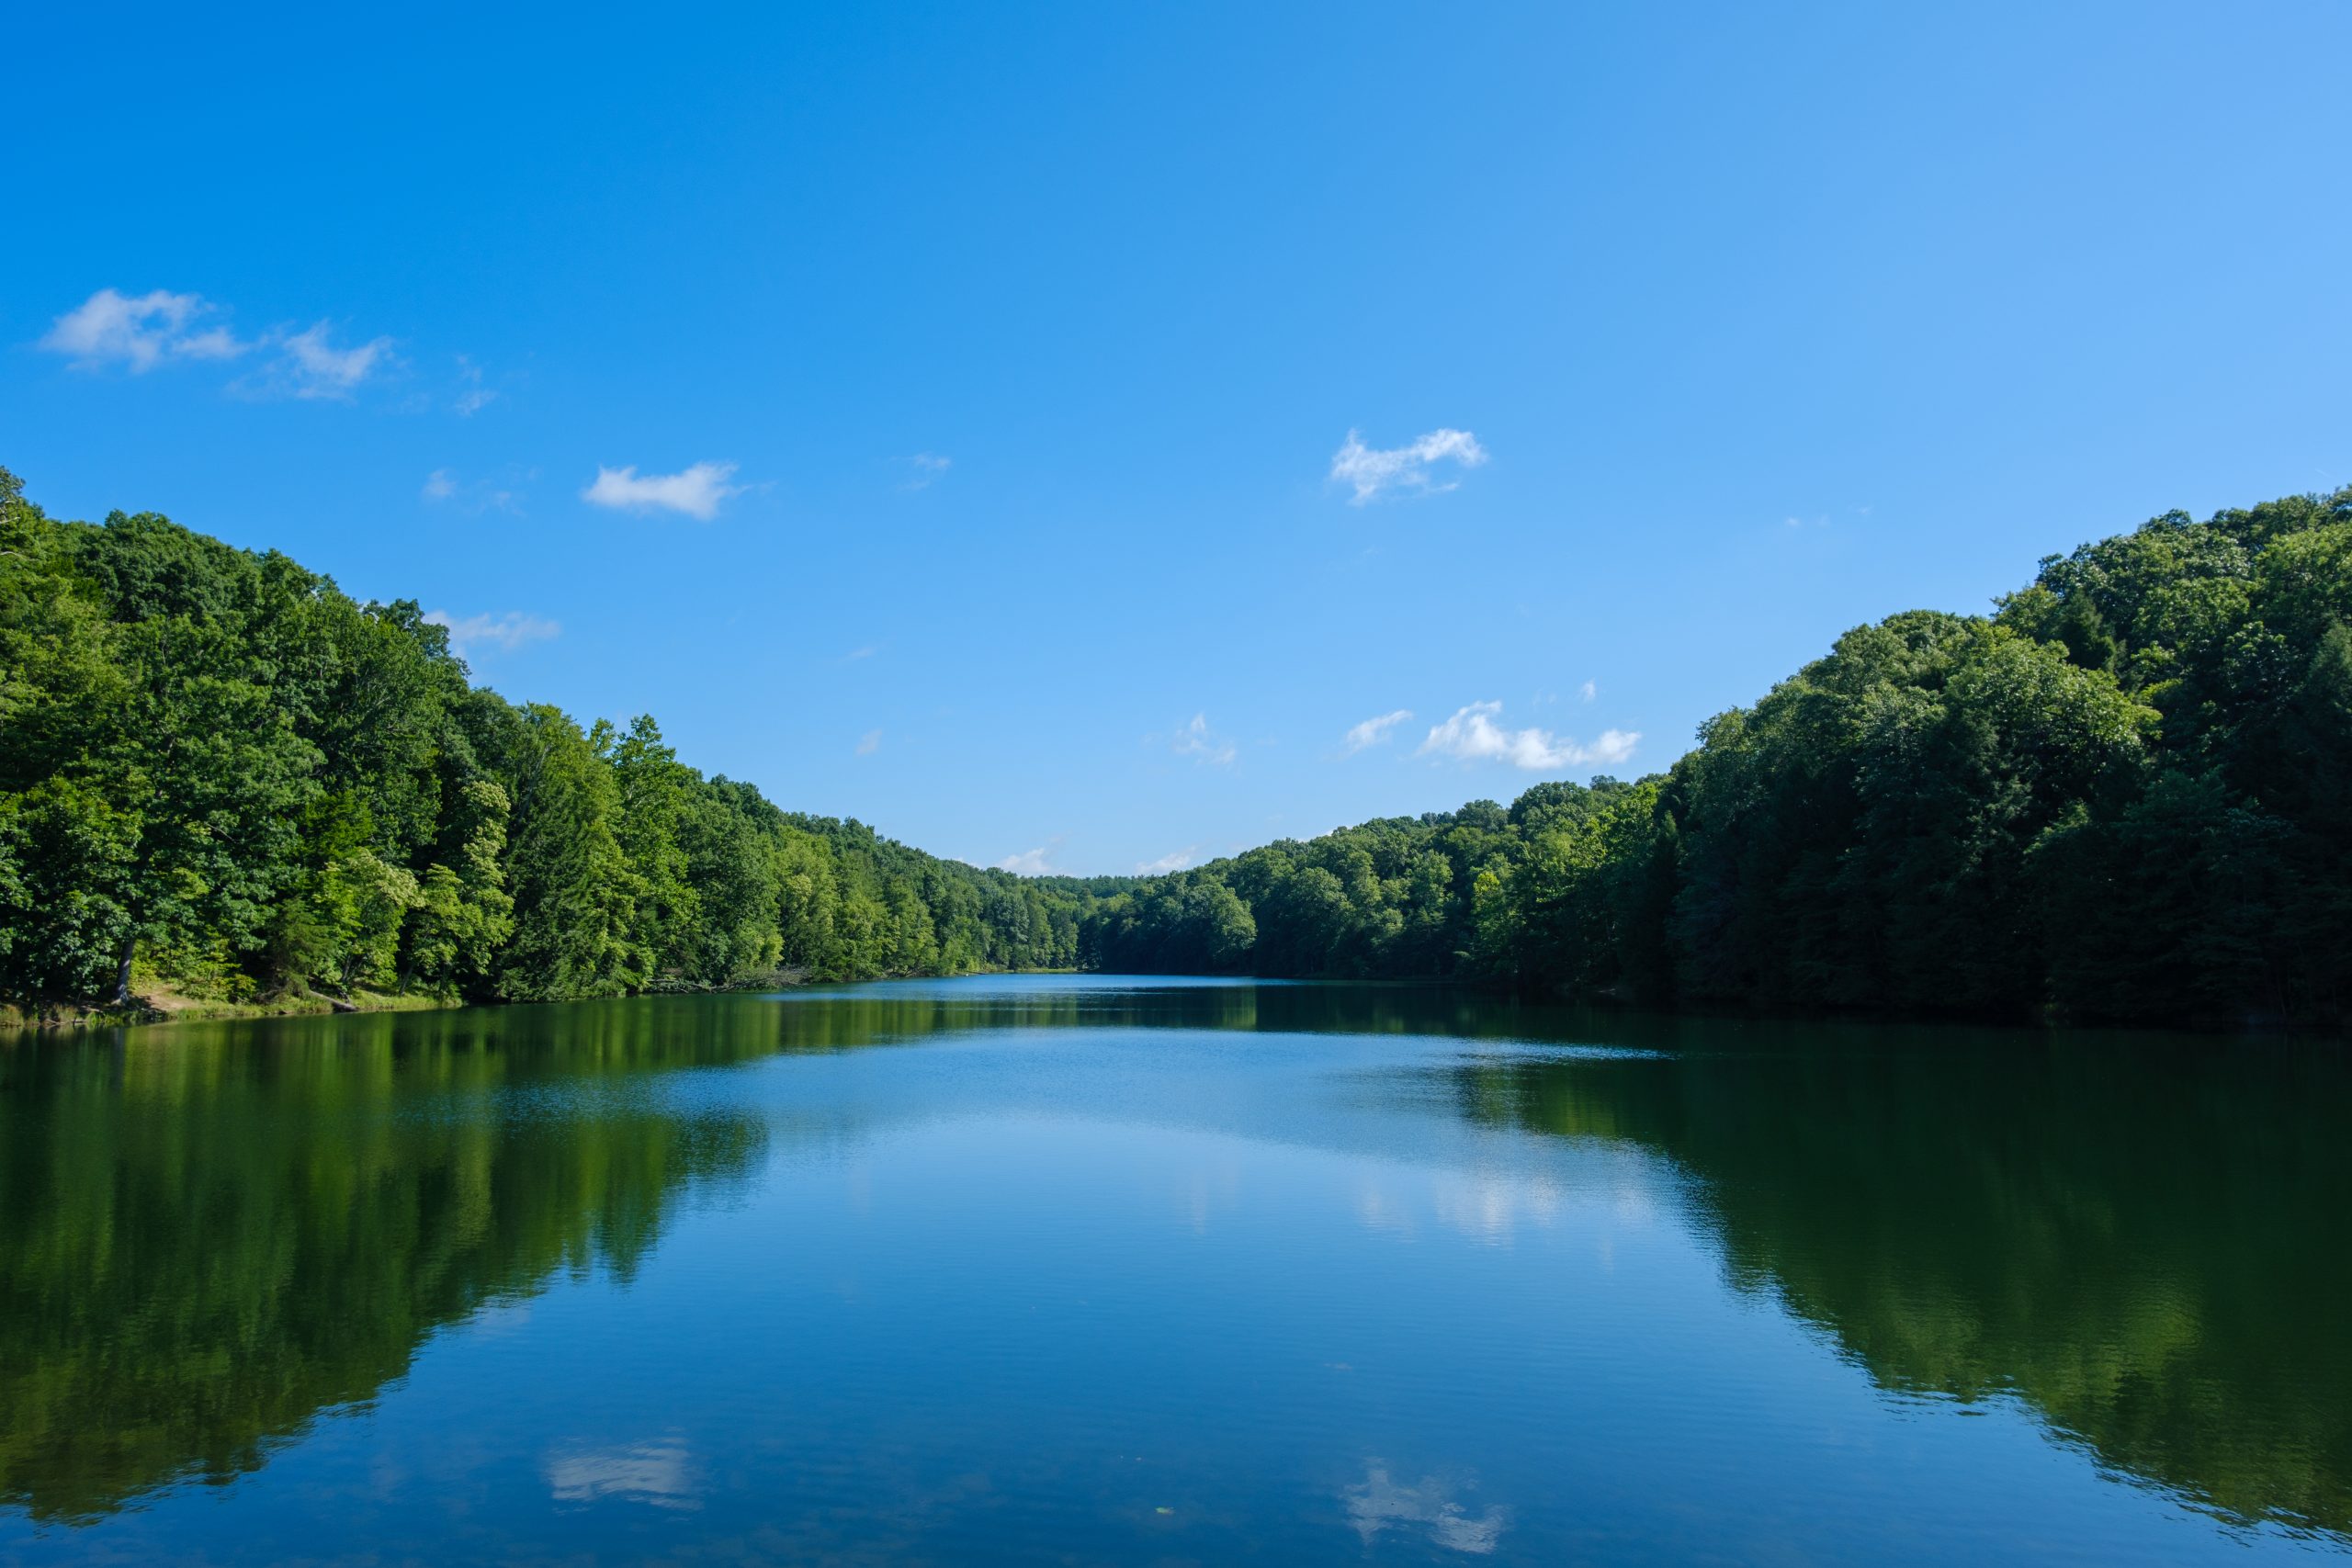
[[1095, 1270]]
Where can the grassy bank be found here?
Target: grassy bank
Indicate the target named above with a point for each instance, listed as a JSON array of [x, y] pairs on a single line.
[[167, 1006]]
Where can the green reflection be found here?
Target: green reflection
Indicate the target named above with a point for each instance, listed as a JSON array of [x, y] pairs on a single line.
[[207, 1235], [2142, 1241], [210, 1234]]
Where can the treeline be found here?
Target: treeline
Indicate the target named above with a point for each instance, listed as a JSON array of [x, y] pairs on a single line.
[[223, 776], [2127, 796]]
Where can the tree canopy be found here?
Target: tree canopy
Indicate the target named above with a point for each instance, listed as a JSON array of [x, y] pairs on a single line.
[[2126, 794], [221, 775]]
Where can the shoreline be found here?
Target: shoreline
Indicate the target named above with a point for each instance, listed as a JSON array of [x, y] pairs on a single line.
[[161, 1008], [146, 1012]]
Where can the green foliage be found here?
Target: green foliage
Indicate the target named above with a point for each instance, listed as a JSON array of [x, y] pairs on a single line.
[[2126, 794], [464, 914], [219, 772]]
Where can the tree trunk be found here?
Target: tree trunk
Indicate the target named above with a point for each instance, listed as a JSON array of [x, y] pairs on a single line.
[[122, 972]]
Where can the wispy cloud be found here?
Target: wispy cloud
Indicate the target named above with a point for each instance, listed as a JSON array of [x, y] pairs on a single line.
[[472, 396], [1473, 736], [696, 491], [309, 365], [1174, 860], [1201, 743], [446, 487], [1372, 731], [139, 332], [927, 470], [1588, 692], [1374, 471], [509, 631], [869, 743], [1030, 863]]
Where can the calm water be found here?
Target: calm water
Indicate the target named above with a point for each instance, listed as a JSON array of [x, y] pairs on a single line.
[[1091, 1271]]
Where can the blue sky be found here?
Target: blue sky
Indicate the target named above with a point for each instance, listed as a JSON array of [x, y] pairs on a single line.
[[1048, 433]]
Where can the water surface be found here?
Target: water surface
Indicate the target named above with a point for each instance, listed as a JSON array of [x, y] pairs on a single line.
[[1085, 1270]]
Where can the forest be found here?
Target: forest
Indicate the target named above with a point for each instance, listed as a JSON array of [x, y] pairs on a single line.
[[221, 776], [2125, 795]]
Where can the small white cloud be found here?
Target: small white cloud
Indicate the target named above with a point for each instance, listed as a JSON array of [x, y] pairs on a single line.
[[929, 468], [509, 631], [1372, 470], [472, 396], [446, 487], [1587, 691], [869, 743], [309, 366], [1175, 860], [1374, 732], [139, 332], [1473, 736], [1197, 740], [696, 491], [1029, 862]]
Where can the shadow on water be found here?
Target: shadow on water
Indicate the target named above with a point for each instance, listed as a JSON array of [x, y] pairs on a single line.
[[2141, 1238], [209, 1235]]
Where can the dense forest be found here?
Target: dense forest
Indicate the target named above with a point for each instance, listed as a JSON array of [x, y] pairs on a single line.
[[2125, 795], [221, 776]]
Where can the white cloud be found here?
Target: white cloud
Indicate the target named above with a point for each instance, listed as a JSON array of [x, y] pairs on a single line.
[[446, 487], [1372, 469], [696, 491], [141, 332], [1175, 860], [110, 328], [1198, 741], [929, 467], [869, 743], [1473, 736], [1374, 732], [475, 396], [309, 366], [1587, 691], [509, 631], [1029, 862]]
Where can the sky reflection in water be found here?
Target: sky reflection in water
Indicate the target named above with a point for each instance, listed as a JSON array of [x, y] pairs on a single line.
[[1068, 1268]]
